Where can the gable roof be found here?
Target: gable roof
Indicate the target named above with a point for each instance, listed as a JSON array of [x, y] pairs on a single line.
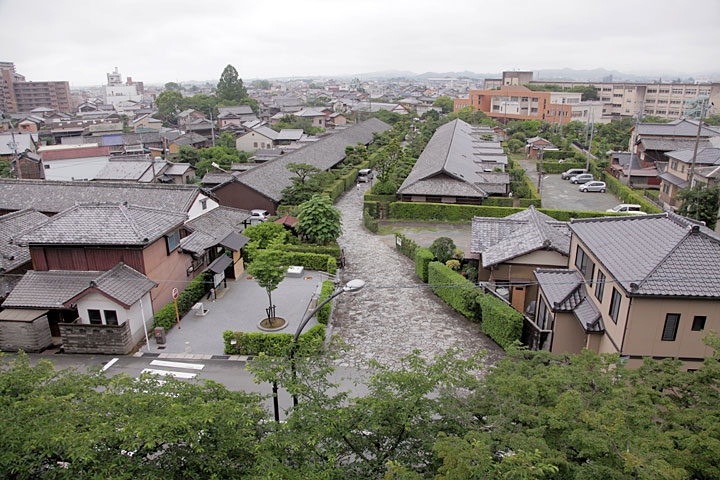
[[705, 156], [565, 291], [662, 254], [271, 177], [290, 134], [121, 283], [678, 128], [234, 111], [54, 197], [501, 239], [214, 227], [452, 154], [104, 224], [13, 255]]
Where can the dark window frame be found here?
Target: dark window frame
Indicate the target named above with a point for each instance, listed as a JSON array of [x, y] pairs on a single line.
[[176, 238], [697, 319], [670, 330], [615, 306], [600, 285], [113, 313], [92, 313]]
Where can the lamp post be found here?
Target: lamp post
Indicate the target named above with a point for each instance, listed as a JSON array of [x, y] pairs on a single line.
[[351, 286], [214, 164]]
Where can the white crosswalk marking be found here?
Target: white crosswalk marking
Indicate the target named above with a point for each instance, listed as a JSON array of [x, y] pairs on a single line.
[[169, 373], [189, 366]]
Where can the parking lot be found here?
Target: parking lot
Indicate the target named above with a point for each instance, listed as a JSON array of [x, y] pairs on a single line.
[[560, 194]]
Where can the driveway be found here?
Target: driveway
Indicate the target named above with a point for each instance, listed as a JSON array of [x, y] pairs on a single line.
[[395, 313], [424, 234], [562, 195], [239, 308]]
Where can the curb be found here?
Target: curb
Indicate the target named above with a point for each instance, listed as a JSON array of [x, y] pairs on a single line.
[[194, 356]]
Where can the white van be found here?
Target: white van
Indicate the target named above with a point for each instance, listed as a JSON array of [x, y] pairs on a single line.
[[365, 175], [626, 208]]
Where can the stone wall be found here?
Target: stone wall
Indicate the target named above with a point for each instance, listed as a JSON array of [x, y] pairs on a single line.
[[104, 339], [32, 336]]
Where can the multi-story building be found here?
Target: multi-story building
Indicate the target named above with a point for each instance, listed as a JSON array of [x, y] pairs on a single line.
[[19, 95], [664, 100], [521, 103], [115, 92], [621, 296], [508, 78]]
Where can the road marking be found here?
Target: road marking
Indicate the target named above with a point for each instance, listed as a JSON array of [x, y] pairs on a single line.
[[110, 363], [168, 373], [164, 363]]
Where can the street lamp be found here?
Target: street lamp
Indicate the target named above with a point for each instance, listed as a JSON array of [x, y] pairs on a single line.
[[214, 164], [352, 286]]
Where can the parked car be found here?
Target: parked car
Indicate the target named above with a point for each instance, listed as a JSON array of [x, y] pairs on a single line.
[[365, 175], [593, 186], [572, 172], [259, 215], [582, 178], [630, 208]]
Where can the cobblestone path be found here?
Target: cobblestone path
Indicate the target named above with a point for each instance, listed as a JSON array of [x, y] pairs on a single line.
[[388, 323]]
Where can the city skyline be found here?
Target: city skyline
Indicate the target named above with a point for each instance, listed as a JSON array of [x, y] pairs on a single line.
[[162, 42]]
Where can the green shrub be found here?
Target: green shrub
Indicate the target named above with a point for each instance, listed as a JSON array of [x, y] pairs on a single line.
[[423, 256], [311, 261], [498, 202], [500, 321], [627, 195], [454, 289], [443, 248], [388, 187], [275, 344], [406, 246], [372, 208], [323, 314], [335, 189], [526, 202], [371, 197], [291, 210], [556, 167], [333, 250], [193, 292], [331, 266], [453, 265], [558, 154]]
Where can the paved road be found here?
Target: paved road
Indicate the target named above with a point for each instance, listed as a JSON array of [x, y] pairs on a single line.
[[561, 194], [394, 314]]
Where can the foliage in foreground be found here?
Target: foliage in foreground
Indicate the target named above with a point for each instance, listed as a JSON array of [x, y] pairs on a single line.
[[533, 416]]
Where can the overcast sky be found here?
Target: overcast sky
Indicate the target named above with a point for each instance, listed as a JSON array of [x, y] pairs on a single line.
[[157, 41]]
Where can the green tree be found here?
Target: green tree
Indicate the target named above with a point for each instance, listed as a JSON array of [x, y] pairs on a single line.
[[262, 84], [168, 104], [6, 170], [443, 248], [230, 87], [303, 185], [589, 92], [515, 145], [268, 270], [701, 203], [173, 86], [226, 140], [446, 103], [388, 159], [319, 220], [713, 120]]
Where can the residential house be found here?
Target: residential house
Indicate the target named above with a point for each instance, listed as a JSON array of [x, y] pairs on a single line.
[[28, 165], [260, 137], [535, 145], [639, 174], [654, 140], [640, 286], [14, 258], [31, 124], [677, 174], [201, 126], [188, 116], [288, 135], [14, 142], [145, 122], [336, 119], [262, 186], [509, 249], [316, 116], [456, 167], [189, 139], [238, 115], [74, 162]]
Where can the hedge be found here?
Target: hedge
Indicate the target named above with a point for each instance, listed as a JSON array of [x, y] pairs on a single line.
[[500, 321], [406, 246], [195, 290], [556, 167], [526, 202], [498, 202], [627, 195], [336, 189], [333, 250], [558, 154], [423, 256], [331, 266], [445, 212], [454, 289], [275, 344], [311, 261], [323, 314], [292, 210], [371, 197], [370, 216]]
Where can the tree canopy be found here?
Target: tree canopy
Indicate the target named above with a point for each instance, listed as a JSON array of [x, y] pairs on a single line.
[[446, 103], [701, 203], [319, 220], [230, 87]]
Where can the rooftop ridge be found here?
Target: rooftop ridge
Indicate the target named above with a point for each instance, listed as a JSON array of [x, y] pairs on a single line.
[[614, 218]]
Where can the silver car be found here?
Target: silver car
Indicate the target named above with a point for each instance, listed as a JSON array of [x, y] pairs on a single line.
[[593, 186], [582, 178]]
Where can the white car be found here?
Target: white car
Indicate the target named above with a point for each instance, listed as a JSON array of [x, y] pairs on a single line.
[[258, 215], [593, 186], [567, 174], [629, 208]]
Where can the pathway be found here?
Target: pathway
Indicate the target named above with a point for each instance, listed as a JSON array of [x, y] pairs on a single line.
[[384, 323]]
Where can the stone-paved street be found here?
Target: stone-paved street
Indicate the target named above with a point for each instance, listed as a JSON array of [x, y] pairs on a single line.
[[388, 323]]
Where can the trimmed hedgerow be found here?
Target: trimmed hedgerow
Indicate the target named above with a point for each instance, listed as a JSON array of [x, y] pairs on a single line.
[[274, 344], [323, 314], [406, 246], [498, 202], [526, 202], [557, 167], [627, 195], [331, 266], [195, 290], [423, 256], [311, 261], [454, 289], [500, 321], [333, 250]]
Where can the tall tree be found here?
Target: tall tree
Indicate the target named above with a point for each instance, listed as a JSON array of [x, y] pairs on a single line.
[[230, 87], [169, 104], [446, 103], [319, 220], [269, 270], [701, 203], [388, 159]]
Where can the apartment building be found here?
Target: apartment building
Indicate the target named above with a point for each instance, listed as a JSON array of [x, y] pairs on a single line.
[[19, 95], [664, 100], [654, 294], [520, 103]]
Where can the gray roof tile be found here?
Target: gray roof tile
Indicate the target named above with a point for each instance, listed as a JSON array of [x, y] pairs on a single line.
[[13, 255], [677, 128], [565, 291], [211, 228]]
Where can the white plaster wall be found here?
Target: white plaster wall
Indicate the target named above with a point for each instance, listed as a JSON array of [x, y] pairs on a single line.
[[74, 168], [134, 315], [196, 208]]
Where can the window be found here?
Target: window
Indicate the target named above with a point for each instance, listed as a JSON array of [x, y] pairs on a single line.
[[664, 91], [600, 285], [615, 305], [94, 317], [698, 323], [690, 92], [652, 90], [543, 317], [203, 203], [584, 264], [110, 317], [666, 188], [254, 144], [672, 320], [173, 241], [677, 91]]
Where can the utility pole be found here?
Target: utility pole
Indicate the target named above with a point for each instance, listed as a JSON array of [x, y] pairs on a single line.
[[589, 147], [540, 170], [697, 142], [212, 126]]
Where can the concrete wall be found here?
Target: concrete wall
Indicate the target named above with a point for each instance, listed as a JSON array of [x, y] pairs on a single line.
[[133, 315], [31, 336], [74, 168], [252, 141], [105, 339]]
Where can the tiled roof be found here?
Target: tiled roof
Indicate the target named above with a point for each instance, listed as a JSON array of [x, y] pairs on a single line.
[[128, 170], [501, 239], [663, 254], [565, 291], [705, 156], [123, 283], [212, 227], [178, 168], [225, 112], [668, 144], [13, 255], [677, 128], [47, 196], [451, 154], [272, 177], [675, 180], [290, 134], [104, 224]]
